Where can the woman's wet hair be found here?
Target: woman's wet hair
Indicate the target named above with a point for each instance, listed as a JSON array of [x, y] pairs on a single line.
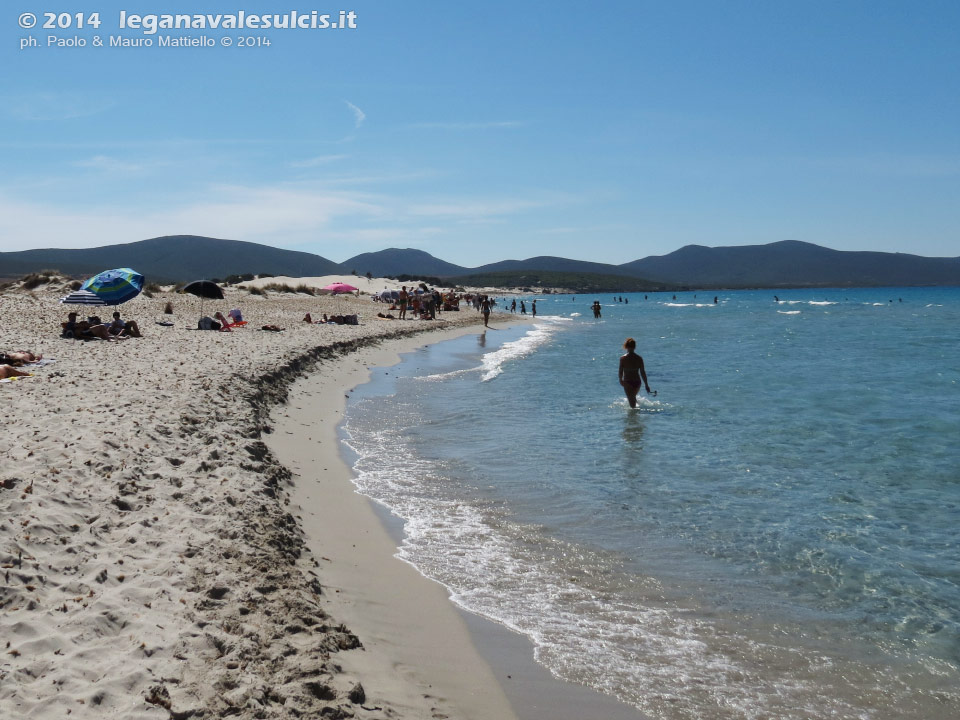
[[629, 344]]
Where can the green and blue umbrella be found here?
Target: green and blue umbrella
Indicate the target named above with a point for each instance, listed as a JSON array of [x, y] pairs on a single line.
[[115, 287]]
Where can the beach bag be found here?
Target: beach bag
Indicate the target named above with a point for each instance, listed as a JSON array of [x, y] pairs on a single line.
[[208, 323]]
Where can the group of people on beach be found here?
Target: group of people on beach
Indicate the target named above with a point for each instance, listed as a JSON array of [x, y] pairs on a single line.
[[523, 306], [423, 304], [95, 329], [631, 374]]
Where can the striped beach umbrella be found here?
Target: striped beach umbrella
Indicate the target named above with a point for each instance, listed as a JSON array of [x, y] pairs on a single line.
[[115, 286], [82, 297]]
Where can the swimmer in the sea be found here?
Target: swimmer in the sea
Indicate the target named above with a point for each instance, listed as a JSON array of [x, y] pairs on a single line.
[[632, 374]]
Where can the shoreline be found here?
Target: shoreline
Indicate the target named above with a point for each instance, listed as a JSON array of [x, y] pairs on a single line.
[[420, 632], [152, 564], [414, 644]]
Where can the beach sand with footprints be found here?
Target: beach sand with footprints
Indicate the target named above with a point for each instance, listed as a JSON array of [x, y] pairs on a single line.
[[153, 563]]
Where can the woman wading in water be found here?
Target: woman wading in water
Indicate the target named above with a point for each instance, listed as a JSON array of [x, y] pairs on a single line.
[[632, 374]]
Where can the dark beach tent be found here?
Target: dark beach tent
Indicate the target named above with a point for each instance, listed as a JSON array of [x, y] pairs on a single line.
[[203, 289]]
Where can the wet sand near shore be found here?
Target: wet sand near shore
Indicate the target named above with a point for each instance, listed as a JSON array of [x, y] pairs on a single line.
[[407, 621]]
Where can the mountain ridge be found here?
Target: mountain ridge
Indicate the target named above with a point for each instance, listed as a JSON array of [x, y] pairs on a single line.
[[171, 257], [785, 263]]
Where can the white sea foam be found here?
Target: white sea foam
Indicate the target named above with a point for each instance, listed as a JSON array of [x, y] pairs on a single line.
[[455, 543], [447, 375], [823, 302], [788, 312], [644, 404], [542, 332], [492, 362], [672, 304], [661, 658]]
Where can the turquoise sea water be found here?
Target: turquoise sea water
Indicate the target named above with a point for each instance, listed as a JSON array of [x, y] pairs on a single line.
[[775, 534]]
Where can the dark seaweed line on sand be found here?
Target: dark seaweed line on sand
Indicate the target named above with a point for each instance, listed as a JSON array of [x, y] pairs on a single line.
[[267, 624]]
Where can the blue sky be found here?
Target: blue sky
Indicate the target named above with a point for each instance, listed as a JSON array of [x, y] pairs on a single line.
[[481, 132]]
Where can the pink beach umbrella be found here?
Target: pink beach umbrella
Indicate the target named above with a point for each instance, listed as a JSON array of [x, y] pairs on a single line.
[[339, 287]]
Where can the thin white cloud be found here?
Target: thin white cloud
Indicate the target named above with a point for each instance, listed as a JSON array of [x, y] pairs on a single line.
[[107, 164], [49, 106], [275, 215], [584, 230], [358, 115], [382, 179], [329, 218], [559, 230], [474, 209], [888, 165], [467, 125], [379, 236], [318, 161]]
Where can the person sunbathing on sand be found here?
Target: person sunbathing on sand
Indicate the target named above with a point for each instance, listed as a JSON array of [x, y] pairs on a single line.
[[19, 357], [8, 371], [119, 327], [101, 331]]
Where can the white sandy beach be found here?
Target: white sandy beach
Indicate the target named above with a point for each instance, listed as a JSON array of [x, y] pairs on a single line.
[[375, 285], [152, 566]]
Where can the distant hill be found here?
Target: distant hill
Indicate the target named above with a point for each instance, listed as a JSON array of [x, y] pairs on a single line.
[[791, 263], [555, 264], [579, 282], [394, 262], [788, 263], [172, 258]]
